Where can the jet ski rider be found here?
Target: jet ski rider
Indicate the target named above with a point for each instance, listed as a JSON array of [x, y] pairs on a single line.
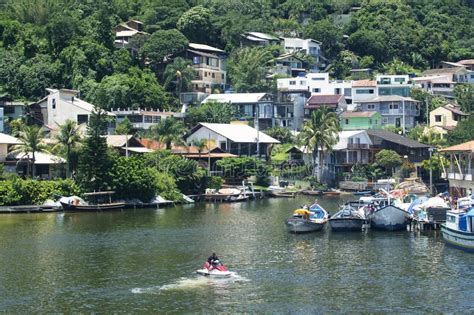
[[213, 260]]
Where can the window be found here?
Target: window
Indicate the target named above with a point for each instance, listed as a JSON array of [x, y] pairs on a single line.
[[222, 76], [223, 145], [438, 118], [347, 121], [292, 82], [384, 120], [371, 106], [316, 90], [156, 119], [53, 103], [148, 119], [337, 91], [370, 121], [365, 91], [393, 106], [399, 80], [472, 76], [8, 110], [317, 79], [81, 119], [213, 75], [205, 73]]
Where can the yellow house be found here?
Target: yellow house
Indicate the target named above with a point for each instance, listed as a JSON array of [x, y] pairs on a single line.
[[445, 118]]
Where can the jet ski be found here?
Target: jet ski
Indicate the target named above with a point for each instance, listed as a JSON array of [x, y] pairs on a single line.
[[217, 269]]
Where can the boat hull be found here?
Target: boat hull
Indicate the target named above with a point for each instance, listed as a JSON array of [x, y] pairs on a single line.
[[104, 207], [389, 218], [346, 224], [458, 239], [303, 226]]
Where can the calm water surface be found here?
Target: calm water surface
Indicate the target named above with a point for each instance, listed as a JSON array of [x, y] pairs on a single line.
[[143, 261]]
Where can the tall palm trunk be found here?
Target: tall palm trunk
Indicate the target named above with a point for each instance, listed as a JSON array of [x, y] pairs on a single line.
[[321, 164], [68, 170], [33, 167]]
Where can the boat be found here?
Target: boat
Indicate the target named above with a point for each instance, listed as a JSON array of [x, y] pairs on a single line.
[[217, 269], [332, 192], [363, 193], [458, 231], [282, 194], [305, 220], [75, 203], [224, 194], [384, 214], [348, 219], [312, 192]]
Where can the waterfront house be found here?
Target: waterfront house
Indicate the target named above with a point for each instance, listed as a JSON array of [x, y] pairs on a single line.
[[414, 151], [239, 139], [360, 120], [445, 118], [63, 104], [461, 169], [352, 148], [254, 106], [126, 144], [210, 65], [397, 111], [47, 165], [334, 102], [6, 142]]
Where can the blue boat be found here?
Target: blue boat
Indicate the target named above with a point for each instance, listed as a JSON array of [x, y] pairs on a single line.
[[458, 231]]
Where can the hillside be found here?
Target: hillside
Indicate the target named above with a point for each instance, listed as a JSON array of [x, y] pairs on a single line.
[[70, 43]]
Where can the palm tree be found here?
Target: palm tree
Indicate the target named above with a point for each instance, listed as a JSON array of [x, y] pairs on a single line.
[[320, 132], [200, 145], [169, 130], [31, 143], [68, 137], [179, 75]]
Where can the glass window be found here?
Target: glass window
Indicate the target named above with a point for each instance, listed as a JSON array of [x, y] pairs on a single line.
[[399, 80], [317, 79], [223, 145], [292, 82], [156, 119], [54, 103], [316, 90], [371, 106], [347, 121], [438, 118], [365, 91], [148, 119], [370, 121], [81, 119]]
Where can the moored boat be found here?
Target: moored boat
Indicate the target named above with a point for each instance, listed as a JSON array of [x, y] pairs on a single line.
[[384, 215], [347, 219], [305, 221], [75, 203], [458, 231]]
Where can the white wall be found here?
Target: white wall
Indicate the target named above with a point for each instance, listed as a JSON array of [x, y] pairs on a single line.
[[205, 133], [362, 97], [64, 109]]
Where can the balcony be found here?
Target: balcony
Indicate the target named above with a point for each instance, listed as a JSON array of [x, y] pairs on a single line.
[[457, 176], [358, 146]]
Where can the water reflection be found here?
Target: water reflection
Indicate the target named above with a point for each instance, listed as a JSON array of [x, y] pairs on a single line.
[[144, 261]]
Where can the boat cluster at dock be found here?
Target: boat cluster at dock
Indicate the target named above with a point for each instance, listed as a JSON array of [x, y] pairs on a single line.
[[391, 211]]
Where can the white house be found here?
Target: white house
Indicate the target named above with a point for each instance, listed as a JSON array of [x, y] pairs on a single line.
[[363, 90], [316, 84], [239, 139], [309, 46], [61, 105], [249, 105], [393, 85], [6, 142]]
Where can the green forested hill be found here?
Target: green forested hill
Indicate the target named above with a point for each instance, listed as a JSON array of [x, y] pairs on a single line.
[[69, 43]]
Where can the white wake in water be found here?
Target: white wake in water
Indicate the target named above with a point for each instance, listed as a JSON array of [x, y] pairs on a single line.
[[191, 283]]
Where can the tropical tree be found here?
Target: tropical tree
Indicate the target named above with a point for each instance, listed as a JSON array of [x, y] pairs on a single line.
[[200, 145], [388, 159], [320, 132], [31, 142], [211, 112], [248, 69], [164, 43], [178, 75], [68, 137], [124, 127], [168, 131]]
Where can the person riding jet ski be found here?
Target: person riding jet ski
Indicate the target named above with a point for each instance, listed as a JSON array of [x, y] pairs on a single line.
[[213, 260]]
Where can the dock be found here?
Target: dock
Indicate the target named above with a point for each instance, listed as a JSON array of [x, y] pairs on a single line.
[[29, 209]]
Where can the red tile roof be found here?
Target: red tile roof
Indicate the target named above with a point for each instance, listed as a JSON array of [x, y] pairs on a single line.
[[330, 100], [463, 147]]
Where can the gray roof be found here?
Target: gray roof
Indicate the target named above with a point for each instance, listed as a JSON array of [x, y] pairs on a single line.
[[396, 138]]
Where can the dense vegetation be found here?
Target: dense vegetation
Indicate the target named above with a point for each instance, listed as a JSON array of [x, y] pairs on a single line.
[[66, 43]]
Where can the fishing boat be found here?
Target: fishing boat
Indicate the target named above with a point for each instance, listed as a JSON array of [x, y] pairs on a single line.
[[363, 193], [102, 202], [385, 215], [458, 231], [348, 219], [307, 220]]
